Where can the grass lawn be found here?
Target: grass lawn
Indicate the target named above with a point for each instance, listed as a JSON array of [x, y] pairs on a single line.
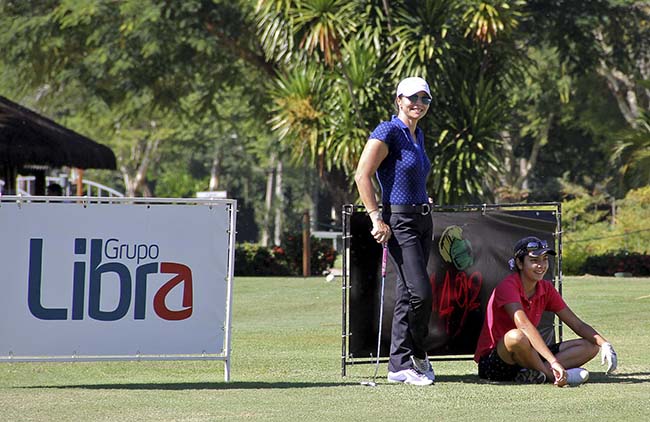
[[286, 367]]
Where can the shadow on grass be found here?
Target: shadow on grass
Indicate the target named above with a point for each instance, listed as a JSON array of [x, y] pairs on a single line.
[[624, 378], [235, 385], [594, 378]]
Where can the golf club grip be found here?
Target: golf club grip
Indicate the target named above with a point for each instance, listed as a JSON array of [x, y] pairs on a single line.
[[384, 258]]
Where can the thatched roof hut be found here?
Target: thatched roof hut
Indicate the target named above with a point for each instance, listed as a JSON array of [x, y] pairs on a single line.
[[31, 141]]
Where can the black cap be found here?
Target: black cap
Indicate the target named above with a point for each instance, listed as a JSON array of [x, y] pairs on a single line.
[[532, 246]]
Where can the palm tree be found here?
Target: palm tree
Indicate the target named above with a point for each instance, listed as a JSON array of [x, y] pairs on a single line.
[[358, 50]]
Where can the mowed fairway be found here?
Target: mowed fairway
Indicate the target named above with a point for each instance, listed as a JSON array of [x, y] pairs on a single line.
[[286, 365]]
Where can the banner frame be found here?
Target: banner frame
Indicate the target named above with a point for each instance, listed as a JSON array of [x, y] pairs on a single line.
[[349, 209], [88, 201]]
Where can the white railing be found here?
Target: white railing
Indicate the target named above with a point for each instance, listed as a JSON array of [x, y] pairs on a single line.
[[100, 189], [25, 186]]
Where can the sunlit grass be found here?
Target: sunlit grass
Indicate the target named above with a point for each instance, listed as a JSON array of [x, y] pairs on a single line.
[[286, 365]]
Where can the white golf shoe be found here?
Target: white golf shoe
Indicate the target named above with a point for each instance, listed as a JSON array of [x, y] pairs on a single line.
[[409, 376], [576, 376]]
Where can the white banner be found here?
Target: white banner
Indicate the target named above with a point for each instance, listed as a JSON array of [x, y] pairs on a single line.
[[118, 280]]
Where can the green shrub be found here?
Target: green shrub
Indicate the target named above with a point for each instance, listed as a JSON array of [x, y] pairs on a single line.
[[637, 264], [322, 257], [254, 260], [286, 260], [573, 260]]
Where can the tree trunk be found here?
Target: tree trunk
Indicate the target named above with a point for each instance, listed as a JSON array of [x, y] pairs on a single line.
[[279, 206], [527, 165], [134, 180], [268, 203], [215, 170], [623, 90], [337, 183], [515, 177], [630, 96], [312, 197]]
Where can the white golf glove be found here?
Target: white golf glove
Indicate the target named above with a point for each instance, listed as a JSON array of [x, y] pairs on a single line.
[[608, 355]]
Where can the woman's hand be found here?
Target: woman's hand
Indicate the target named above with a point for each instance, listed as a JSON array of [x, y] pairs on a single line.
[[380, 231], [559, 373]]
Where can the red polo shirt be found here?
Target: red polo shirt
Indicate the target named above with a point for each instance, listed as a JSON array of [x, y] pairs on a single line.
[[497, 321]]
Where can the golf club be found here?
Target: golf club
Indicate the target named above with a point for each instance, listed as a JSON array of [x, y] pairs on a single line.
[[384, 257]]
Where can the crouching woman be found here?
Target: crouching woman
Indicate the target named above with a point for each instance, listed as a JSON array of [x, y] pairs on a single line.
[[510, 348]]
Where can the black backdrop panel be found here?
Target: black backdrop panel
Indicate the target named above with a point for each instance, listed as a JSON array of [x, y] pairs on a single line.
[[468, 259]]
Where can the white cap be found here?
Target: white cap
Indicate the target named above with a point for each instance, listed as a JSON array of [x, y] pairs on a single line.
[[413, 85]]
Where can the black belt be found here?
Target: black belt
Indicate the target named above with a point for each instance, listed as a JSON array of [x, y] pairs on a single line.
[[423, 209]]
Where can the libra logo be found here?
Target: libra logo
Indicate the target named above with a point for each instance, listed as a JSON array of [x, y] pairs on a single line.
[[130, 289]]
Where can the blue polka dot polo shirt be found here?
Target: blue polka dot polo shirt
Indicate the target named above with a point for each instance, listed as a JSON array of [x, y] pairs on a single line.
[[403, 173]]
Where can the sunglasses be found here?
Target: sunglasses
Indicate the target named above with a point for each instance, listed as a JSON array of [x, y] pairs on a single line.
[[414, 99], [533, 246]]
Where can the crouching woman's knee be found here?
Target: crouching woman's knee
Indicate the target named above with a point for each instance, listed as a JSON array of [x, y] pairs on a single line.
[[516, 340], [592, 349]]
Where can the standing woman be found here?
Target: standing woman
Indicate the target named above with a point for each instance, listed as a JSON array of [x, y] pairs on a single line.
[[395, 152]]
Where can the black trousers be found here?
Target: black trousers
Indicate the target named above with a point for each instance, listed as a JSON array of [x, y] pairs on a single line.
[[409, 248]]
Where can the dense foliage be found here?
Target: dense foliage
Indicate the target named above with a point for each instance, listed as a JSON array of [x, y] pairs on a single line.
[[272, 100], [601, 235]]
